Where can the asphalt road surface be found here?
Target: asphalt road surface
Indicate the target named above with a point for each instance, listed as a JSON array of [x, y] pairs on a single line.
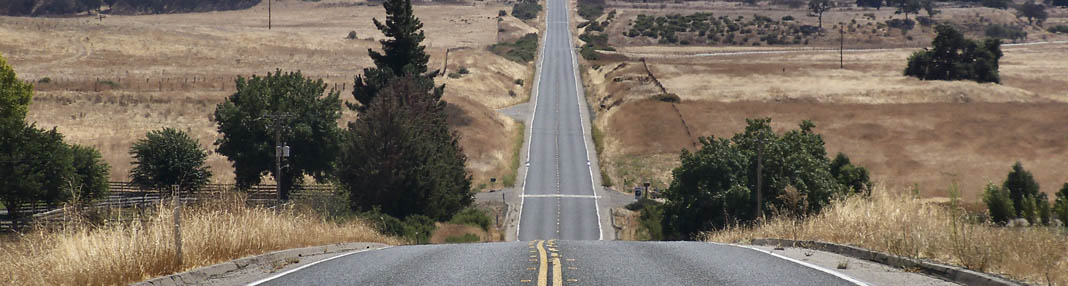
[[558, 197], [560, 237], [558, 263]]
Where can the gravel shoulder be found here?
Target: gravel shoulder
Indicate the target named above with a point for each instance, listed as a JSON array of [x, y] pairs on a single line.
[[866, 271]]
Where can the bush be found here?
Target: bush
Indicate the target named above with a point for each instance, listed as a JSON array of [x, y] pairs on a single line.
[[526, 10], [1059, 29], [519, 81], [787, 18], [454, 75], [463, 70], [901, 24], [998, 4], [415, 228], [351, 36], [999, 204], [502, 13], [466, 238], [49, 80], [956, 58], [472, 217], [1005, 32], [522, 50], [1060, 205], [668, 97], [591, 9], [641, 204]]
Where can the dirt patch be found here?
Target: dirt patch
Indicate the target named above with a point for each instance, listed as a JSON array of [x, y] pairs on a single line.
[[927, 145]]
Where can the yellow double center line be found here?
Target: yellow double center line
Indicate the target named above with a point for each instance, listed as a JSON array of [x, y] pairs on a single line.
[[543, 267]]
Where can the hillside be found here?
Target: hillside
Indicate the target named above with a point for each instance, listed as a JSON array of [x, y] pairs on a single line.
[[124, 7]]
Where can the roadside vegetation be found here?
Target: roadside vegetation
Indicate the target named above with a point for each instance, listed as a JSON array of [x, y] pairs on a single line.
[[955, 57], [526, 9], [903, 224], [522, 50], [113, 246]]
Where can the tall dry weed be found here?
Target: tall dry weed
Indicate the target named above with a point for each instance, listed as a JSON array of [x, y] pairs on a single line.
[[142, 246], [908, 226]]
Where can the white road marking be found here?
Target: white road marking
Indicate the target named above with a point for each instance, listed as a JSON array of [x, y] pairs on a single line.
[[272, 277], [561, 196], [806, 264], [579, 94], [530, 135]]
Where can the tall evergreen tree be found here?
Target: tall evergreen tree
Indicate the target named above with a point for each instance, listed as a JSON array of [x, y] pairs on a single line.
[[400, 156], [1021, 186], [402, 52]]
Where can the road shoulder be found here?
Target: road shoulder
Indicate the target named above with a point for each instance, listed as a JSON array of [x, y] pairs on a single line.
[[250, 269], [869, 272]]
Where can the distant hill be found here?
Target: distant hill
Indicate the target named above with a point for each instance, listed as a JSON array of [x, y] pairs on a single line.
[[126, 7]]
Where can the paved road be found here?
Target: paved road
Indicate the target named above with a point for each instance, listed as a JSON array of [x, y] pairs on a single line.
[[559, 263], [558, 194]]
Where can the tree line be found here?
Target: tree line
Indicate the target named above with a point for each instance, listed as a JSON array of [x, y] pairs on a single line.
[[399, 159]]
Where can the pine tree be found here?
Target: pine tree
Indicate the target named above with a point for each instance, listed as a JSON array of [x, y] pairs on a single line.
[[1022, 187], [403, 52], [400, 156]]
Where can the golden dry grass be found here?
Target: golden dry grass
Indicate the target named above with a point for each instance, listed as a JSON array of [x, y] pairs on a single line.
[[171, 70], [121, 253], [909, 226]]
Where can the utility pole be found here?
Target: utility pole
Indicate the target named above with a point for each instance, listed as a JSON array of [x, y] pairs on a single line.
[[269, 14], [759, 184], [280, 150], [841, 48]]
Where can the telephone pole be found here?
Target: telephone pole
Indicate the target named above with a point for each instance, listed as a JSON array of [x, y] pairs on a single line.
[[841, 49], [269, 14], [280, 150]]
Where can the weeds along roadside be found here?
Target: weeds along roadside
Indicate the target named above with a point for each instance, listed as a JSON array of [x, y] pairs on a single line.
[[130, 246], [912, 227]]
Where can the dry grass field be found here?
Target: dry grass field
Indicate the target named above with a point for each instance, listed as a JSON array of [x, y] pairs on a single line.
[[910, 133], [111, 81], [117, 252], [911, 227]]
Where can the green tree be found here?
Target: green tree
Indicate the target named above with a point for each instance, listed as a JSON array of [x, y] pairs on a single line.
[[1033, 11], [955, 58], [713, 186], [1021, 186], [818, 7], [1043, 210], [89, 179], [15, 98], [400, 156], [402, 52], [1060, 206], [296, 109], [166, 158], [906, 6], [998, 203], [929, 7], [854, 178], [31, 160]]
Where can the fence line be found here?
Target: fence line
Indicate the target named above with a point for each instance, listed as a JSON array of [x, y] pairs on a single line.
[[125, 195]]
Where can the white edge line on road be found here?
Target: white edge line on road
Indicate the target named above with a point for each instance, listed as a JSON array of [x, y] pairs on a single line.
[[806, 264], [264, 280], [530, 135], [561, 196], [581, 98]]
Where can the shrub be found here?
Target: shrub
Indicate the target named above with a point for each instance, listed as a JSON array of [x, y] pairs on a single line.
[[49, 80], [999, 204], [998, 4], [955, 58], [169, 157], [351, 36], [415, 228], [1006, 32], [1060, 205], [502, 13], [466, 238], [519, 81], [591, 9], [668, 97], [454, 75], [787, 18], [463, 70], [901, 24], [522, 50], [472, 217], [526, 10], [1059, 29]]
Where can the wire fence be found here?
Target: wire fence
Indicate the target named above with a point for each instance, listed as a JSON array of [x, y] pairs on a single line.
[[127, 195]]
